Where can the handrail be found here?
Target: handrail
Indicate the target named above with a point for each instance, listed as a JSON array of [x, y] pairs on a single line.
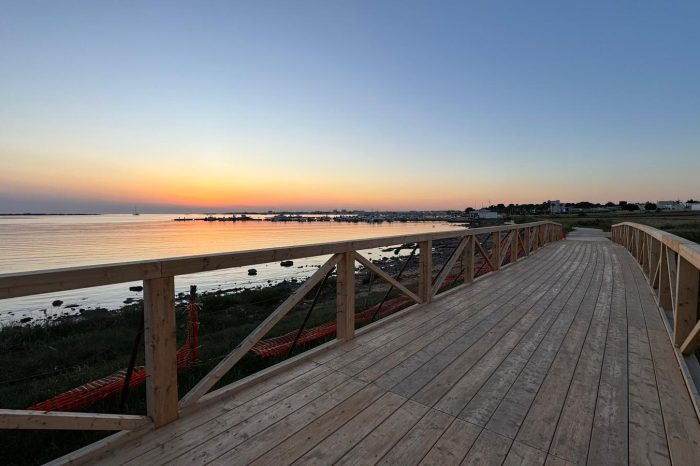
[[158, 278], [19, 284], [676, 278]]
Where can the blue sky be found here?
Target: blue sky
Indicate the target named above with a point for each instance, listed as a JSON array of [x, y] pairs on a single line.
[[346, 104]]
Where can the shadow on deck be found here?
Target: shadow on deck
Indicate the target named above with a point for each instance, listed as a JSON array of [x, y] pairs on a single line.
[[560, 359]]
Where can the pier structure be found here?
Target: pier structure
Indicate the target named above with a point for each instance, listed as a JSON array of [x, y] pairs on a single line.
[[569, 352]]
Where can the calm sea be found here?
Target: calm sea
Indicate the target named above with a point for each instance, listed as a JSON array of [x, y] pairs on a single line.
[[46, 242]]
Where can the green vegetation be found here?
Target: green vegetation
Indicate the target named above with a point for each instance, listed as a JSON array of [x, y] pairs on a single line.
[[684, 224]]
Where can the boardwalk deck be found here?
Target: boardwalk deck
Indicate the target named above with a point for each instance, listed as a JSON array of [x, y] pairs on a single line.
[[559, 359]]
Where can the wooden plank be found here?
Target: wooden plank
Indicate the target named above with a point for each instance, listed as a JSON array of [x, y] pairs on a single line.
[[522, 317], [453, 445], [419, 440], [231, 428], [481, 294], [345, 298], [469, 332], [375, 445], [680, 422], [382, 274], [244, 346], [297, 444], [268, 427], [609, 436], [340, 442], [160, 349], [533, 325], [476, 312], [58, 420], [546, 374], [425, 271], [572, 435], [448, 267], [647, 436], [524, 455], [480, 409], [515, 239], [489, 448], [686, 304], [197, 427]]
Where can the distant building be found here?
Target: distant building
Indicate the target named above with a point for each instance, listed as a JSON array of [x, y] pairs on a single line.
[[486, 214], [670, 205], [556, 207], [695, 206]]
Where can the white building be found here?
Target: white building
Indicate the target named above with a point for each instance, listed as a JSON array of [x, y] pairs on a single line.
[[556, 207], [695, 207], [670, 205], [487, 214]]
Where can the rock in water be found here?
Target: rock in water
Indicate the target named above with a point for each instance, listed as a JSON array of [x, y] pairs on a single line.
[[57, 303], [252, 272], [136, 288], [287, 263]]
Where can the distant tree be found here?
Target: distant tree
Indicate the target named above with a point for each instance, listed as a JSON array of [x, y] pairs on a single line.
[[629, 207], [469, 209], [622, 203], [609, 204], [500, 208], [649, 206], [692, 201]]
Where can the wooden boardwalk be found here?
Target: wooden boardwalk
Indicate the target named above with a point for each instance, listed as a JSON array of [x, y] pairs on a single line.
[[560, 359]]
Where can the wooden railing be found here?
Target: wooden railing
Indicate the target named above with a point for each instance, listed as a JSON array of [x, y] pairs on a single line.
[[509, 242], [672, 267]]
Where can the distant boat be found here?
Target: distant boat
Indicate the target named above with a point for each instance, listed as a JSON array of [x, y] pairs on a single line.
[[136, 212]]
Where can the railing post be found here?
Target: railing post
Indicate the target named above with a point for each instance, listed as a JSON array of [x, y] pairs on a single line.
[[425, 277], [527, 241], [160, 349], [665, 299], [514, 238], [468, 259], [496, 238], [686, 305], [345, 298]]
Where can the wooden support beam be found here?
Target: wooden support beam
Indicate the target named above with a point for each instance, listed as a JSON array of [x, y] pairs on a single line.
[[496, 240], [515, 237], [425, 277], [484, 254], [160, 349], [204, 385], [692, 341], [59, 420], [528, 241], [665, 299], [686, 304], [345, 298], [448, 266], [655, 262], [468, 259], [382, 274]]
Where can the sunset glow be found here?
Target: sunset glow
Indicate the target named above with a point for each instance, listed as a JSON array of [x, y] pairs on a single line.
[[257, 108]]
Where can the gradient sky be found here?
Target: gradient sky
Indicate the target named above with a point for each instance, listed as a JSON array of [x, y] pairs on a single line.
[[185, 106]]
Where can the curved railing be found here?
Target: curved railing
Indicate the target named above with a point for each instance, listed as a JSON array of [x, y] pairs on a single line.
[[672, 267], [497, 245]]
